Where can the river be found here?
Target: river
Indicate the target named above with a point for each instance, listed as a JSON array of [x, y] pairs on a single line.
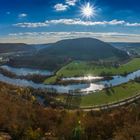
[[71, 88]]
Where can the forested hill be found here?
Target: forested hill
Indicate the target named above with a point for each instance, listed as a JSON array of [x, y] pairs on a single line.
[[83, 49], [64, 51]]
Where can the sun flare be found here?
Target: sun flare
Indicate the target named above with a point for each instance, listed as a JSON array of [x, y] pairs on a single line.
[[88, 10]]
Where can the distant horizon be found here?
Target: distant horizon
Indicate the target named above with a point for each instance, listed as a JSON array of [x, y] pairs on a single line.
[[37, 43]]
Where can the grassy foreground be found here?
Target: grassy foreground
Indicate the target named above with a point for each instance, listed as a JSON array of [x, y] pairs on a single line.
[[115, 94], [87, 68]]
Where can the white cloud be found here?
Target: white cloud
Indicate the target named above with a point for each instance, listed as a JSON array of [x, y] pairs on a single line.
[[69, 22], [31, 25], [84, 23], [133, 24], [22, 15], [78, 22], [61, 7], [71, 2], [116, 22]]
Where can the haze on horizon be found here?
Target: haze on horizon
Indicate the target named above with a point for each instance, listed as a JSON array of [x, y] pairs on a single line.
[[43, 21]]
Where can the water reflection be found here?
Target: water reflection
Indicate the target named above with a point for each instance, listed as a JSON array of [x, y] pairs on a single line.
[[92, 88], [85, 78], [117, 80]]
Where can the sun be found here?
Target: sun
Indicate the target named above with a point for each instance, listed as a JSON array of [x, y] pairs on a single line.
[[87, 10]]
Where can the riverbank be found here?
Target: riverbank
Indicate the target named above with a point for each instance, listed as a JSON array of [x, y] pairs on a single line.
[[37, 78], [105, 96]]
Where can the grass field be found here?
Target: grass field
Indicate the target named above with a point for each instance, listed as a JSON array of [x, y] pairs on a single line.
[[104, 97], [117, 93], [85, 68]]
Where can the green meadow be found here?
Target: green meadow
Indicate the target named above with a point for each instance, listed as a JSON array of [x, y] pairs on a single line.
[[114, 94], [80, 68]]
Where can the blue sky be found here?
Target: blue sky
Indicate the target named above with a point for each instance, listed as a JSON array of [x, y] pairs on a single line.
[[44, 21]]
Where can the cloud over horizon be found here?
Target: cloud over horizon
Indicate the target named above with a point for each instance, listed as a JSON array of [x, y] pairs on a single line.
[[51, 37], [75, 21]]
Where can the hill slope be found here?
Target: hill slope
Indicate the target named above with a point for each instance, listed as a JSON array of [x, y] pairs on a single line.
[[15, 47]]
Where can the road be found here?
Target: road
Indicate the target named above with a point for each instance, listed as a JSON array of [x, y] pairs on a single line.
[[112, 105]]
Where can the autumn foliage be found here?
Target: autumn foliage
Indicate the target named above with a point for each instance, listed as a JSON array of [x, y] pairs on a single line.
[[25, 119]]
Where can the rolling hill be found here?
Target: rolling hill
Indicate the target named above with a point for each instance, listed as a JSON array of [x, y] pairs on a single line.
[[83, 49], [64, 51]]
